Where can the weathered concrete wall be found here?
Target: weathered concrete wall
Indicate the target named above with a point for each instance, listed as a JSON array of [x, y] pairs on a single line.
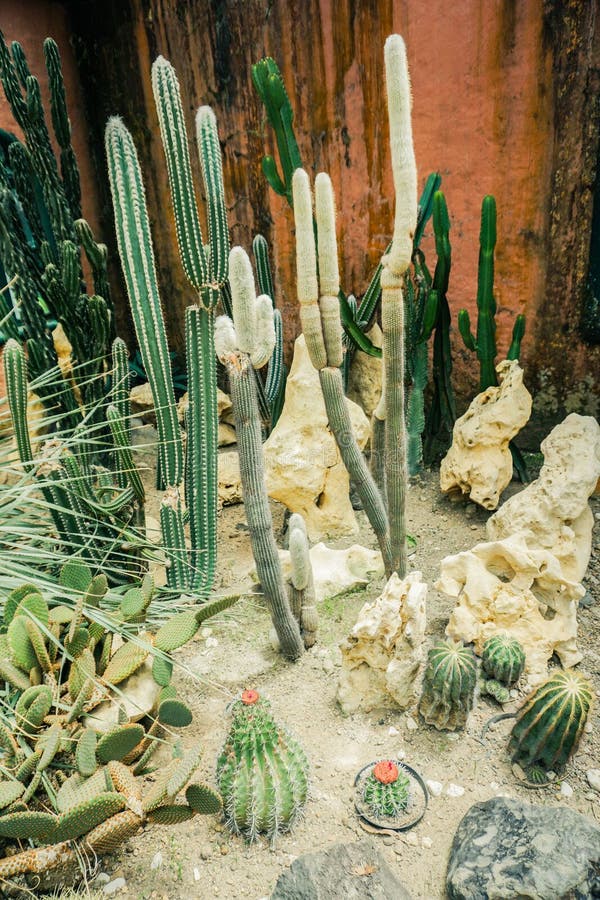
[[505, 102]]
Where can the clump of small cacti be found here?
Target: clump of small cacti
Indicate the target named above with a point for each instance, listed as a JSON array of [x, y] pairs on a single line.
[[64, 776], [386, 790], [262, 772], [448, 685], [503, 661], [550, 723]]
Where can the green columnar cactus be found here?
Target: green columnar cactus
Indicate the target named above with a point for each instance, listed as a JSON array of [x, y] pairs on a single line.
[[302, 587], [550, 723], [245, 343], [395, 263], [503, 658], [484, 345], [320, 320], [276, 370], [262, 772], [386, 790], [448, 686]]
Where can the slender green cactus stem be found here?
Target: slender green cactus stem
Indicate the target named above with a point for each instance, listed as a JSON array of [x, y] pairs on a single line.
[[15, 375], [395, 264]]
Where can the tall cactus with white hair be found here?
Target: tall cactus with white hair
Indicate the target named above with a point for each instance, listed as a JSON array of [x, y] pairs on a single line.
[[320, 318], [243, 344], [206, 269]]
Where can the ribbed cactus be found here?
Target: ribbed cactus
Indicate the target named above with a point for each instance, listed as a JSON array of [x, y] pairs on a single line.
[[242, 344], [448, 686], [386, 790], [550, 723], [503, 658], [484, 344], [302, 587], [320, 318], [61, 780], [262, 772], [276, 370]]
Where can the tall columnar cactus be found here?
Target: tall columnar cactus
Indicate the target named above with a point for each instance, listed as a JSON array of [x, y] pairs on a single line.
[[550, 723], [484, 344], [262, 772], [242, 344], [276, 370], [302, 587], [320, 318], [448, 686]]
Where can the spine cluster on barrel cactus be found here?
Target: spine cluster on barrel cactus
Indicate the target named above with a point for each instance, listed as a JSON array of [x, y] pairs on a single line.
[[550, 723], [206, 269], [503, 661], [242, 345], [73, 764], [386, 790], [262, 772], [484, 343], [448, 685]]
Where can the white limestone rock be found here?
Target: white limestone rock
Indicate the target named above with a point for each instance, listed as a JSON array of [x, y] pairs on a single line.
[[304, 469], [479, 464], [138, 696], [365, 379], [505, 587], [382, 655], [230, 481], [337, 572], [553, 513]]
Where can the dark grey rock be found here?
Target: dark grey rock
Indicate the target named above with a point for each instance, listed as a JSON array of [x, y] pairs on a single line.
[[341, 872], [505, 849]]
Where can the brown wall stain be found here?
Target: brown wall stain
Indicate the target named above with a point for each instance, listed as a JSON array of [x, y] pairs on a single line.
[[502, 105]]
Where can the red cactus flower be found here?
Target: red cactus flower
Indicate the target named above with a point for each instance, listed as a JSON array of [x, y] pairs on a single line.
[[249, 697], [386, 771]]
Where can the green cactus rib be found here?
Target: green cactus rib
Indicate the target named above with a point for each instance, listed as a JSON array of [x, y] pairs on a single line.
[[15, 374], [202, 443], [167, 98], [448, 685], [256, 504], [503, 658], [127, 472], [260, 248], [216, 213], [137, 259], [550, 723], [173, 535]]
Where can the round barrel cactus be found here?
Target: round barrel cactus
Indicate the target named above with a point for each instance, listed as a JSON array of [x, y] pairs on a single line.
[[448, 685], [550, 723], [386, 790], [503, 658], [262, 772]]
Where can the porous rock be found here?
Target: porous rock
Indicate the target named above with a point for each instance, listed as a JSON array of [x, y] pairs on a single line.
[[553, 513], [304, 469], [505, 849], [479, 464], [503, 587], [383, 653], [230, 481], [337, 572], [365, 379], [352, 871], [137, 696]]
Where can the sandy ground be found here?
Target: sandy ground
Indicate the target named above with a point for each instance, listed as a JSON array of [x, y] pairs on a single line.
[[200, 859]]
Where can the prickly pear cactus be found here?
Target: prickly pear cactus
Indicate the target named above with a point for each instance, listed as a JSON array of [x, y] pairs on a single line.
[[262, 772], [69, 789], [550, 723], [448, 686], [386, 790], [503, 658]]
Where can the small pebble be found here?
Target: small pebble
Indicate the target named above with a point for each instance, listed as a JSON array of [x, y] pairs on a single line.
[[494, 785], [426, 843], [587, 600], [212, 642], [196, 874], [593, 778], [156, 861], [113, 886], [400, 753], [206, 851], [411, 724], [102, 878], [434, 787], [566, 790], [454, 790], [474, 527], [393, 731], [588, 727], [411, 839]]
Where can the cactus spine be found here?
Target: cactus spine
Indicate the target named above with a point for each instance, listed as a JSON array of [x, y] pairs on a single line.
[[246, 342], [550, 723], [262, 772], [448, 686], [322, 330]]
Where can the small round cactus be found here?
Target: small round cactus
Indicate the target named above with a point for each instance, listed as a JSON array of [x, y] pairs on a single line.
[[551, 722], [386, 790], [262, 772], [448, 686], [503, 658]]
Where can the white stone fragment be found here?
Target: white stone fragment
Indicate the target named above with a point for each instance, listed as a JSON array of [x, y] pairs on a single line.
[[434, 787], [593, 778], [454, 790]]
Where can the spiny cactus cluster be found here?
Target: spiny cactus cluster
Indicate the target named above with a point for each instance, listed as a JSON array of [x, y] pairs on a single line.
[[262, 772], [448, 685], [550, 723], [386, 790], [503, 660], [72, 760]]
